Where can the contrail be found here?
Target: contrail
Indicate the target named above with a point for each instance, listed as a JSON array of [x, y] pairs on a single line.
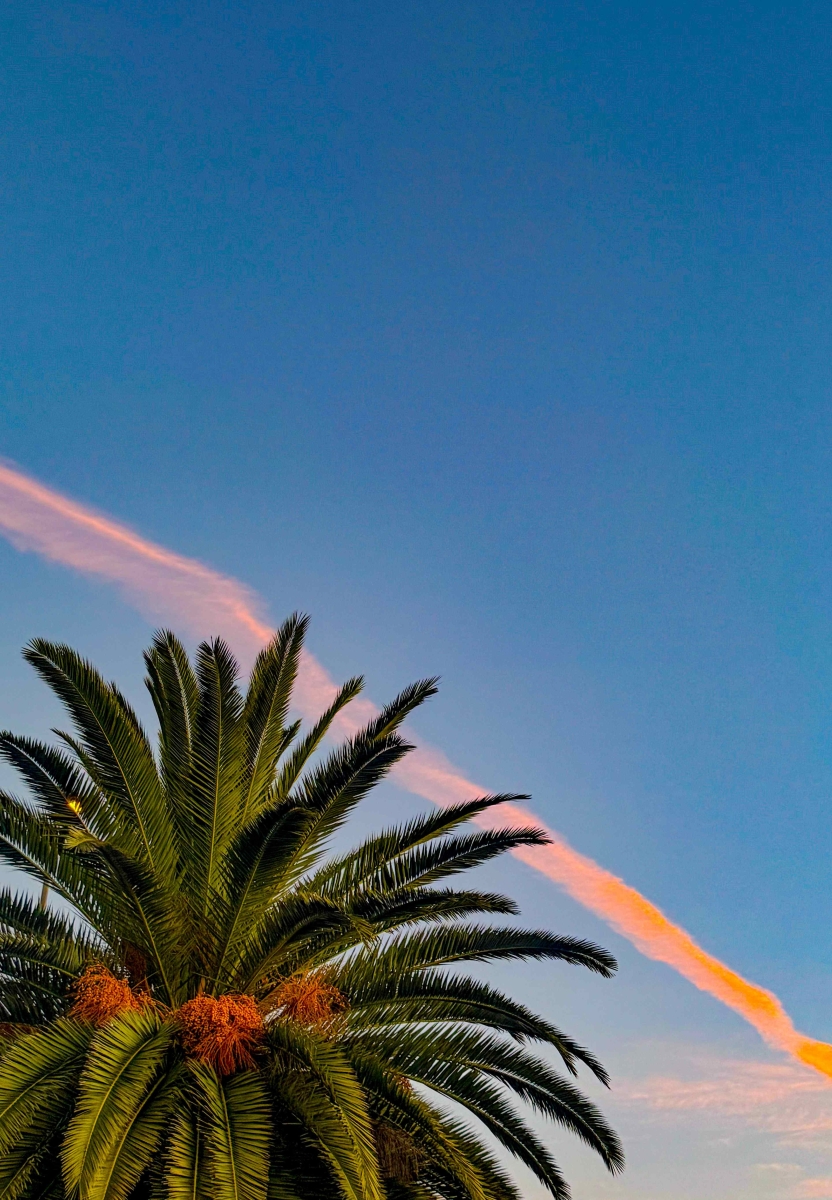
[[168, 585]]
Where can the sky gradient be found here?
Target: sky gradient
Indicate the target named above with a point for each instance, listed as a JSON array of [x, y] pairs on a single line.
[[497, 339]]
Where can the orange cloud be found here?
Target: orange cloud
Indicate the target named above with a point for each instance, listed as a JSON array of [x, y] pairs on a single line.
[[657, 937], [429, 774], [169, 585]]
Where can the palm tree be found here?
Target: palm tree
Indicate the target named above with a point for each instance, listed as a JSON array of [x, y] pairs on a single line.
[[215, 1004]]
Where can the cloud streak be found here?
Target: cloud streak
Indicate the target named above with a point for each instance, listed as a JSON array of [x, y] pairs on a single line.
[[170, 586], [777, 1098]]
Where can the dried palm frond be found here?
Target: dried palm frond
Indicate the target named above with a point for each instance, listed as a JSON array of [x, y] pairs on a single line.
[[398, 1154]]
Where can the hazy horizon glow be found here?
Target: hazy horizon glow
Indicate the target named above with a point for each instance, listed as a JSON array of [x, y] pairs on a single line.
[[165, 584]]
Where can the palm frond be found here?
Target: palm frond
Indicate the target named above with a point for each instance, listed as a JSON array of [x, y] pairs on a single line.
[[53, 778], [334, 788], [386, 912], [394, 713], [151, 916], [120, 759], [20, 914], [132, 1155], [487, 1103], [414, 951], [266, 708], [349, 871], [297, 933], [378, 1002], [23, 1168], [393, 1100], [217, 777], [125, 1060], [34, 844], [464, 1052], [46, 966], [37, 1072], [185, 1170], [469, 1149], [237, 1128], [174, 691], [297, 761], [255, 870], [335, 1112], [431, 862]]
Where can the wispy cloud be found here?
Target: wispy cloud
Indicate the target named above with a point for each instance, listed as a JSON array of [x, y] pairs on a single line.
[[781, 1099], [819, 1188], [172, 587]]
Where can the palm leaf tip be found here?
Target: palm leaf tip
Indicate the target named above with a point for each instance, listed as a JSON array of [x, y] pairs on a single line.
[[409, 699]]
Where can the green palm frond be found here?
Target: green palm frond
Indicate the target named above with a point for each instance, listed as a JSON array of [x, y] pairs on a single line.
[[217, 778], [426, 905], [266, 709], [359, 866], [487, 1103], [394, 713], [119, 757], [327, 1096], [256, 867], [22, 1171], [37, 1073], [236, 1121], [125, 1059], [418, 951], [298, 1169], [334, 789], [36, 845], [185, 1169], [299, 932], [131, 1155], [291, 770], [150, 917], [430, 997], [47, 966], [442, 858], [53, 778], [174, 691], [440, 1053], [468, 1149], [393, 1099], [19, 914]]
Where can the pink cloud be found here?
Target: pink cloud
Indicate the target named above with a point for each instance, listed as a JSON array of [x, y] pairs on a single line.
[[781, 1099], [159, 582], [172, 587], [813, 1189]]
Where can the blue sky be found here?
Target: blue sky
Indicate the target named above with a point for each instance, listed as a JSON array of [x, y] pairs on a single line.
[[497, 338]]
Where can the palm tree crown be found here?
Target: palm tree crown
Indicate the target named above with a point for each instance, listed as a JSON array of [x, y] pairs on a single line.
[[218, 1004]]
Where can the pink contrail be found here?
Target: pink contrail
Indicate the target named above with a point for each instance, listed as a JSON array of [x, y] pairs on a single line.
[[169, 585], [158, 581]]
